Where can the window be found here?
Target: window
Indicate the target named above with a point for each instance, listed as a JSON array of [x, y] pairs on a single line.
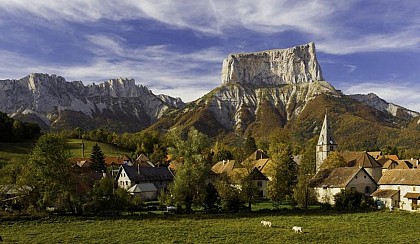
[[352, 188], [259, 183], [367, 189]]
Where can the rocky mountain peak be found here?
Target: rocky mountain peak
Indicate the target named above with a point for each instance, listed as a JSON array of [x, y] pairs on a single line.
[[273, 67]]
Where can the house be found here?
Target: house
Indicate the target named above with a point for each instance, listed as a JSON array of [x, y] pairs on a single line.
[[147, 191], [129, 176], [407, 184], [329, 182], [363, 160], [144, 161]]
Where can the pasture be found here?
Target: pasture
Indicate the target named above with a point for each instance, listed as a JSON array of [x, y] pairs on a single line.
[[318, 227]]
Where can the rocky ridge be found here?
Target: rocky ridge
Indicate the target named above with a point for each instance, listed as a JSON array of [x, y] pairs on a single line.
[[49, 96], [378, 103]]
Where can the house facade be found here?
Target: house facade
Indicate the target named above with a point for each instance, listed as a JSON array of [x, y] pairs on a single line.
[[403, 187], [129, 176], [329, 182]]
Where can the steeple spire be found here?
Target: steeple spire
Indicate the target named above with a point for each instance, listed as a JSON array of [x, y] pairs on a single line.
[[326, 143]]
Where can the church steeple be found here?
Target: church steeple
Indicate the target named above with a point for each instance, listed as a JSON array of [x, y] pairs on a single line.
[[326, 143]]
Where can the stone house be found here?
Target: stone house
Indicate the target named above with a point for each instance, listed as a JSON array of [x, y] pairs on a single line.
[[399, 188], [329, 182]]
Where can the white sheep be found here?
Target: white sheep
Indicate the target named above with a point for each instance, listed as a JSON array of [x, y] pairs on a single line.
[[266, 223], [297, 229]]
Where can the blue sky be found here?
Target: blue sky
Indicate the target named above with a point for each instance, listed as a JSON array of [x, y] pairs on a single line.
[[177, 47]]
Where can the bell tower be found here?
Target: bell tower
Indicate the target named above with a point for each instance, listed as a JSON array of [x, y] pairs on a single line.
[[326, 143]]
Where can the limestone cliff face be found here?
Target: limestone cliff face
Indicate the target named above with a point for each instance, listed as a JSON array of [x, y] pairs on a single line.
[[50, 97], [281, 66], [283, 79]]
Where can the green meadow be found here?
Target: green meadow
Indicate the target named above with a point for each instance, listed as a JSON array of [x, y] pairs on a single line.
[[10, 152], [319, 227], [75, 146]]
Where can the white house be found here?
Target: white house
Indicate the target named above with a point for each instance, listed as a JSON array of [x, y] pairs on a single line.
[[405, 186], [128, 176], [329, 182]]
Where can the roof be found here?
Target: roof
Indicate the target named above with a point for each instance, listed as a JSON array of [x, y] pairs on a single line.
[[224, 166], [412, 195], [404, 164], [376, 155], [146, 173], [120, 160], [337, 177], [400, 177], [384, 193], [258, 154], [392, 156], [360, 159], [142, 187], [390, 164]]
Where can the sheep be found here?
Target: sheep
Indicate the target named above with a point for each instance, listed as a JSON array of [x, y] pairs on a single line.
[[266, 223], [297, 229]]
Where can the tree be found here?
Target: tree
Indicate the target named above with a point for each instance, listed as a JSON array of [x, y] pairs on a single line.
[[211, 199], [303, 194], [48, 174], [190, 180], [334, 160], [97, 159], [230, 195], [283, 173]]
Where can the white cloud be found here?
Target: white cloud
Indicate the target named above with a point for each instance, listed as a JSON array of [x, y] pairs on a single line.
[[400, 93], [331, 24]]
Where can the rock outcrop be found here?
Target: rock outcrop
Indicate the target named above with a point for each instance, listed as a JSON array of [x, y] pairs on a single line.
[[281, 66], [378, 103], [51, 97]]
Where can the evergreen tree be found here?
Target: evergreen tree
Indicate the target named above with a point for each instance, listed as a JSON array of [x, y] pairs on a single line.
[[97, 159]]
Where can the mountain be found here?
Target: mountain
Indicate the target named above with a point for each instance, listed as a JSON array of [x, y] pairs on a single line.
[[284, 88], [54, 103], [378, 103]]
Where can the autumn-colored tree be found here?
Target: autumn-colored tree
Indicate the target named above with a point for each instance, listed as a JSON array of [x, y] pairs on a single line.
[[334, 160]]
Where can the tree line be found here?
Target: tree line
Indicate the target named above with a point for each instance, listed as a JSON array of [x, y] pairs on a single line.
[[12, 130]]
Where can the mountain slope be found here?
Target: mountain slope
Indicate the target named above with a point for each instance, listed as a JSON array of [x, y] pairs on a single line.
[[117, 104], [285, 89]]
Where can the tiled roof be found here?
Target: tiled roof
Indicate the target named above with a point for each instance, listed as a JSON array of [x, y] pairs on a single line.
[[360, 159], [400, 177], [224, 166], [384, 193], [404, 164], [376, 155], [337, 177], [412, 195], [258, 154]]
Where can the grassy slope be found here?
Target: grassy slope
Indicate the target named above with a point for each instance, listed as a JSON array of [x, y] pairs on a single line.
[[107, 149], [17, 151], [375, 227]]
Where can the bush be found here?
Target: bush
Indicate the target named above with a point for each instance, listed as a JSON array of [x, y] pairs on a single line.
[[352, 200]]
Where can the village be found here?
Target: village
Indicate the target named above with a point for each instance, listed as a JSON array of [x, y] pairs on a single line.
[[391, 182]]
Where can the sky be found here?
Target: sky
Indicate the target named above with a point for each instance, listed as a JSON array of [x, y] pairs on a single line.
[[177, 47]]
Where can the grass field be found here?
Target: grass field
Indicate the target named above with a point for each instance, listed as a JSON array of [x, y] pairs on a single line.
[[332, 227], [16, 151], [21, 150], [107, 149]]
